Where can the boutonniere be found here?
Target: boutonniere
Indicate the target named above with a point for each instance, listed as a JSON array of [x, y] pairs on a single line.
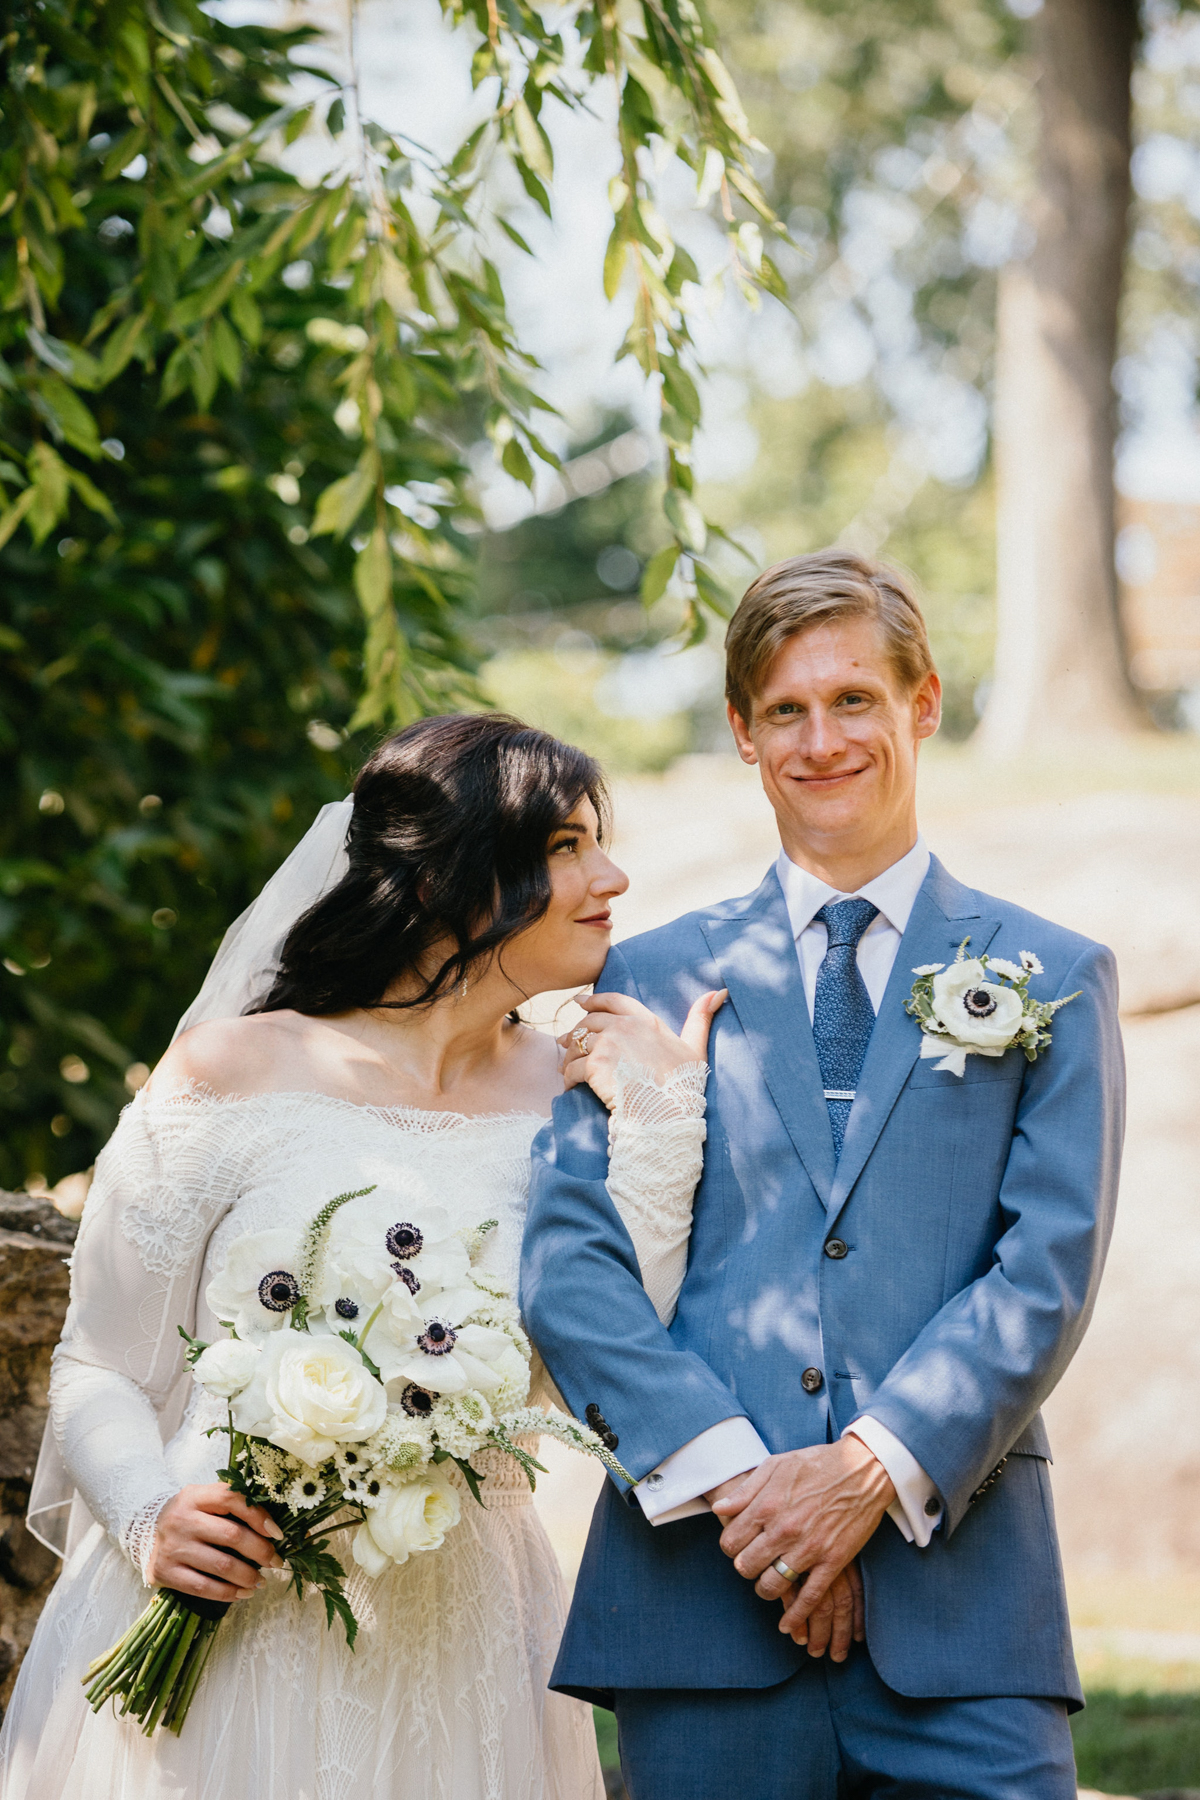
[[963, 1011]]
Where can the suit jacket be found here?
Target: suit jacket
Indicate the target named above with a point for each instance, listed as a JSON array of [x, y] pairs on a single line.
[[976, 1212]]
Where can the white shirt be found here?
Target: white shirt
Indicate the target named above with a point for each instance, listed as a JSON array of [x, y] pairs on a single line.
[[676, 1489]]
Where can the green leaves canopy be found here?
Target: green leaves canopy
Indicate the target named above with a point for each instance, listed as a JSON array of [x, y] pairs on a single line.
[[235, 506]]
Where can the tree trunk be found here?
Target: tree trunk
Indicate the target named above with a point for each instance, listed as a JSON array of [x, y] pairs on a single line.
[[1060, 664]]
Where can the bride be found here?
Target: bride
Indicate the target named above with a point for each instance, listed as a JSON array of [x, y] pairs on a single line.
[[358, 1022]]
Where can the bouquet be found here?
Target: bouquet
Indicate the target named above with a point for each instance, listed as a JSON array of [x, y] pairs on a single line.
[[364, 1359]]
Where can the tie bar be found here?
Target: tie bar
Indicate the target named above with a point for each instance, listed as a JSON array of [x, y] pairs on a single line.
[[840, 1093]]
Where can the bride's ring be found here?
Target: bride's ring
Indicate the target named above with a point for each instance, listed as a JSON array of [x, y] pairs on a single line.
[[781, 1568], [582, 1040]]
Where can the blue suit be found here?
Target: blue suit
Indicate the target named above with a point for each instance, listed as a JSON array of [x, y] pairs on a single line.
[[976, 1211]]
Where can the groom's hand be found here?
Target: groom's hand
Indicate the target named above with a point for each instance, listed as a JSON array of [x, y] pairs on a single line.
[[813, 1508]]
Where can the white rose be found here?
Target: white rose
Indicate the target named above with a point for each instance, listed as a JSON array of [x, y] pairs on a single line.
[[309, 1395], [415, 1515], [257, 1288], [975, 1010], [225, 1368]]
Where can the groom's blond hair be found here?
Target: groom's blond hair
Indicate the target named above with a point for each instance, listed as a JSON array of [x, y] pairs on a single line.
[[792, 596]]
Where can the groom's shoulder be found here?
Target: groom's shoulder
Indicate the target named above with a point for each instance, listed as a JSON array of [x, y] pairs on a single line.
[[651, 950], [1056, 946]]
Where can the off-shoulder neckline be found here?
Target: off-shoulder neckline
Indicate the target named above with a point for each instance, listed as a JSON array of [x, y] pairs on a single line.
[[198, 1093]]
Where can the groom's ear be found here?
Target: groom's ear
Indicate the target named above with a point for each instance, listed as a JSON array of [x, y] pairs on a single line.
[[741, 734], [927, 704]]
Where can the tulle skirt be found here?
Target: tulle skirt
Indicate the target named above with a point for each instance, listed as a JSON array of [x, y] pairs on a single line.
[[444, 1697]]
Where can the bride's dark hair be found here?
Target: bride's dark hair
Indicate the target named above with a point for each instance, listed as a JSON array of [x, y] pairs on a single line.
[[448, 840]]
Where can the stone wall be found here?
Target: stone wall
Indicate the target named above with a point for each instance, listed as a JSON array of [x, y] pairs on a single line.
[[35, 1240]]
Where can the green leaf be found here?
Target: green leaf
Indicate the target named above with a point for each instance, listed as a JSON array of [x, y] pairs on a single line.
[[66, 414], [533, 142], [614, 260], [514, 462], [533, 186], [297, 123], [123, 153], [15, 513], [335, 118], [245, 313], [226, 350], [681, 390], [121, 346], [510, 231], [50, 487], [658, 572], [686, 519], [373, 573], [91, 496], [342, 501]]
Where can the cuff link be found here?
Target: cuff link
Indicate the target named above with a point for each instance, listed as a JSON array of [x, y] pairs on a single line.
[[653, 1481], [933, 1507]]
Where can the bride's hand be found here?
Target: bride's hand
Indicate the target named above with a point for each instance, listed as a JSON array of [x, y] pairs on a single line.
[[617, 1027], [194, 1539]]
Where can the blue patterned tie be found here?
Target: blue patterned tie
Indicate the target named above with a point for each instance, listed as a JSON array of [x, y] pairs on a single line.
[[843, 1017]]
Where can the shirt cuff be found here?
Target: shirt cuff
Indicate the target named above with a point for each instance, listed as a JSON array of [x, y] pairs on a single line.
[[917, 1508], [676, 1489]]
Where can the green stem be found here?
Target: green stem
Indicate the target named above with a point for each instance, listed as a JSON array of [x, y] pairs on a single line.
[[362, 1336], [168, 1682], [179, 1712]]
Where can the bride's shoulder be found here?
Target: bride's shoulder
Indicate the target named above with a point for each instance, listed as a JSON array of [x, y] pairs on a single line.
[[224, 1057]]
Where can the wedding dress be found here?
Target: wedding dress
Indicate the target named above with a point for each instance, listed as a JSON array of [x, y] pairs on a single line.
[[444, 1697]]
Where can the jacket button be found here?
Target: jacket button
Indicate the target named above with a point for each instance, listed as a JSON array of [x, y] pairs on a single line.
[[836, 1248], [811, 1380], [933, 1506]]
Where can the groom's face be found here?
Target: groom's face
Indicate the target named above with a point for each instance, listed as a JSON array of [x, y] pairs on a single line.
[[835, 735]]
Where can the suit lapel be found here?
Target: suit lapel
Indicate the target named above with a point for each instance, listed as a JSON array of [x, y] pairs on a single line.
[[944, 914], [756, 954]]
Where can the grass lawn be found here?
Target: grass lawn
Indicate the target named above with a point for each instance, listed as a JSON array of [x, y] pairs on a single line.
[[1125, 1743], [1138, 1743]]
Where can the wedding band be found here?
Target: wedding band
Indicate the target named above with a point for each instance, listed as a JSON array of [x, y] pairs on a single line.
[[582, 1040], [781, 1568]]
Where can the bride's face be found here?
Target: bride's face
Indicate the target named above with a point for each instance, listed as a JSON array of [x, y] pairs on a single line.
[[568, 945]]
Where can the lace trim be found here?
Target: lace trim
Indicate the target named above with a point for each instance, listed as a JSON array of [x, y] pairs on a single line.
[[137, 1539], [641, 1100], [194, 1093]]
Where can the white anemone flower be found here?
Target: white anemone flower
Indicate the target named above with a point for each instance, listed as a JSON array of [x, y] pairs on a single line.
[[446, 1359], [391, 1237], [1000, 965], [974, 1010], [258, 1286], [1031, 963]]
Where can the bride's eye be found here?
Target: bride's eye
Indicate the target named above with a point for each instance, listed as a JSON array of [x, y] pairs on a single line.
[[569, 844]]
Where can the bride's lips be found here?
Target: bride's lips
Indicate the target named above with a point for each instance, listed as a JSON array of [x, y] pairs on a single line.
[[601, 919]]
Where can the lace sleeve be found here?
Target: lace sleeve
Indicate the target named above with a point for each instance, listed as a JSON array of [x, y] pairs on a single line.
[[134, 1279], [655, 1150]]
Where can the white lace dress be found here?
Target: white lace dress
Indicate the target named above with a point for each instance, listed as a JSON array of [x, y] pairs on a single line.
[[445, 1696]]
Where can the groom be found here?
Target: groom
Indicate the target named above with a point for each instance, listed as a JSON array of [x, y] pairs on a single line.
[[892, 1263]]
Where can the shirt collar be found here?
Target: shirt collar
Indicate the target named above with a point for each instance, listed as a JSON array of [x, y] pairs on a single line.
[[894, 892]]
